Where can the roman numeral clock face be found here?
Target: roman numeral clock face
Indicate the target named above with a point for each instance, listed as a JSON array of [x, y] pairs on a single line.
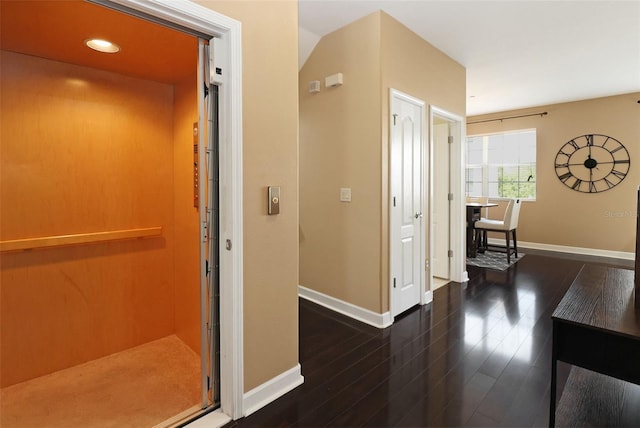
[[592, 163]]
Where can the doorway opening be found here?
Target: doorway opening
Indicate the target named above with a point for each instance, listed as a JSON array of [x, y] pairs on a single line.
[[99, 176], [440, 207], [446, 254]]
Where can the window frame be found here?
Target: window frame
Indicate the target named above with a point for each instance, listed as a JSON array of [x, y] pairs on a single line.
[[485, 165]]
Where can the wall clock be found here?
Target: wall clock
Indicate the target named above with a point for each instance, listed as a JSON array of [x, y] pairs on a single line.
[[592, 163]]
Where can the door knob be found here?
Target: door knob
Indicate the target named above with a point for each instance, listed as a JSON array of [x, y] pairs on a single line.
[[418, 215]]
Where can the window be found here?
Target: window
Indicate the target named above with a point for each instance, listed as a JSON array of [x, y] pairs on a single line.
[[502, 165]]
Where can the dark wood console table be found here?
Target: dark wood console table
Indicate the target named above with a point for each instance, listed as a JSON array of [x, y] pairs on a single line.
[[596, 326]]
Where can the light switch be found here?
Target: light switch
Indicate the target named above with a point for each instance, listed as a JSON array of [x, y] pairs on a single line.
[[345, 194]]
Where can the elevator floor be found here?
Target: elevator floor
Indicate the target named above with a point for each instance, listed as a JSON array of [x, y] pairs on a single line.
[[138, 387]]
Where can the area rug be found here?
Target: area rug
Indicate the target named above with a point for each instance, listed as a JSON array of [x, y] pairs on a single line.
[[493, 260]]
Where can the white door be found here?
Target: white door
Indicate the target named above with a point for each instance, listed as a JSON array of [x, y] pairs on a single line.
[[406, 231], [440, 205]]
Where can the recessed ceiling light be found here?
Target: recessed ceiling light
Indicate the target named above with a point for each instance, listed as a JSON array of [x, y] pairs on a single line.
[[102, 45]]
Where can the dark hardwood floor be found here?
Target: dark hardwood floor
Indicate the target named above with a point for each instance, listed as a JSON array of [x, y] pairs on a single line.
[[478, 355]]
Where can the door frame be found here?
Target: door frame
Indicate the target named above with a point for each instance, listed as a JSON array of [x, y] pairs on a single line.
[[458, 272], [437, 152], [393, 232], [228, 55]]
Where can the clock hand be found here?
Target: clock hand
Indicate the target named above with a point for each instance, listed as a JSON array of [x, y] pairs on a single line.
[[583, 163]]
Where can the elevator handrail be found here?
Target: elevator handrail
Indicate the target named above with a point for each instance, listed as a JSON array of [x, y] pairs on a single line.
[[77, 239]]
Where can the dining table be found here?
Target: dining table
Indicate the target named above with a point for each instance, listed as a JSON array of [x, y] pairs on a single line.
[[474, 210]]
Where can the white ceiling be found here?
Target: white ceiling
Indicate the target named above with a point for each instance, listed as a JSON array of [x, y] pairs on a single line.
[[517, 53]]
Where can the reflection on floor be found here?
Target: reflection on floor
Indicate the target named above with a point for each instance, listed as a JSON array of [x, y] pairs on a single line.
[[478, 355], [138, 387]]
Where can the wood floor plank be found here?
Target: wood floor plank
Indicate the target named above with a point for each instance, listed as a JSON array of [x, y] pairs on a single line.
[[478, 355]]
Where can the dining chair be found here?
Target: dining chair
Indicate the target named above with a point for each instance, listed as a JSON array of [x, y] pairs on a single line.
[[507, 226]]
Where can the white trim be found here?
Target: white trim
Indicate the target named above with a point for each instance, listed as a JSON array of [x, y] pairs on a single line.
[[570, 250], [273, 389], [231, 211], [346, 308], [428, 297], [180, 417], [465, 276], [185, 13], [229, 31], [457, 219]]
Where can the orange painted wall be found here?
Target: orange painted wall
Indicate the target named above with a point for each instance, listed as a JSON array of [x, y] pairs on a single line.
[[82, 150], [187, 256]]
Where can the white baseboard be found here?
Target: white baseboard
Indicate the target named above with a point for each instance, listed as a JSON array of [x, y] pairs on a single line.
[[269, 391], [428, 297], [570, 250], [346, 308]]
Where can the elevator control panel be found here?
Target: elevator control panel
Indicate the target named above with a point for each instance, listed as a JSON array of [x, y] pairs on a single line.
[[274, 200], [196, 173]]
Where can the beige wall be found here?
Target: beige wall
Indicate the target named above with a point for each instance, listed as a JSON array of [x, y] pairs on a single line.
[[422, 71], [344, 143], [413, 66], [340, 147], [561, 216], [270, 141]]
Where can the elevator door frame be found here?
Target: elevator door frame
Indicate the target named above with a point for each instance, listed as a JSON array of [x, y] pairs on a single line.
[[228, 57]]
